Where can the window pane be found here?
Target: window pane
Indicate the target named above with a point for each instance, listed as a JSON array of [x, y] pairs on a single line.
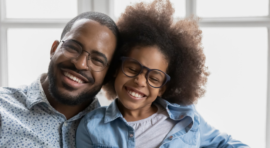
[[29, 54], [232, 8], [235, 101], [120, 6], [44, 9]]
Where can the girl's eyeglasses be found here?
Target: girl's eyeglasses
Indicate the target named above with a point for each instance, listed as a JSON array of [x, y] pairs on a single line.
[[155, 77]]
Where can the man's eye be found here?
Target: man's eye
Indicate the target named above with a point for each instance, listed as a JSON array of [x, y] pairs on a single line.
[[72, 48], [97, 60]]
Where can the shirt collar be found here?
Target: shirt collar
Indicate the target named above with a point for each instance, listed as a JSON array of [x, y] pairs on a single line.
[[94, 104], [176, 112], [112, 112], [35, 94]]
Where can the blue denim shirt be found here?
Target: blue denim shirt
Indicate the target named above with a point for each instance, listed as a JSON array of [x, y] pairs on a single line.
[[105, 127]]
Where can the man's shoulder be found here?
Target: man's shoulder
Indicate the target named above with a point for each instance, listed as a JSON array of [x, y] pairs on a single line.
[[9, 94], [11, 90]]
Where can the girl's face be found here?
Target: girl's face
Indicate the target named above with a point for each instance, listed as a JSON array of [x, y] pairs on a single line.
[[135, 93]]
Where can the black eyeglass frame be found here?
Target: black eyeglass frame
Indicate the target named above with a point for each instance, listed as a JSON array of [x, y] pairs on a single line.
[[88, 57], [168, 78]]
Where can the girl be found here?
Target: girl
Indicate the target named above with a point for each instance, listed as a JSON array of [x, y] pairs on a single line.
[[160, 75]]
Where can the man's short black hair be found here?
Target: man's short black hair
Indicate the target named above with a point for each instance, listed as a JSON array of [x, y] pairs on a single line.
[[103, 19]]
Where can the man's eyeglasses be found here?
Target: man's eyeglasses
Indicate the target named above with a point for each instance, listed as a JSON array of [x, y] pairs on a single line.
[[95, 61], [155, 77]]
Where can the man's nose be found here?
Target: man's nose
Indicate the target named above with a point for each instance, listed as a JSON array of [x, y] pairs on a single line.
[[81, 61]]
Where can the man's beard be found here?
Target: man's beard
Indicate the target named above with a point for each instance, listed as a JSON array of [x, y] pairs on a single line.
[[65, 98]]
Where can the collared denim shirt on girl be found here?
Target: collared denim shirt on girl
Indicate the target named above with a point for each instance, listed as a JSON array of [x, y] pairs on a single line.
[[105, 127]]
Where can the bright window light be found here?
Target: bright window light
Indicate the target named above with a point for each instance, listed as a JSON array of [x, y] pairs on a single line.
[[41, 9], [232, 8], [120, 6], [29, 54], [235, 101]]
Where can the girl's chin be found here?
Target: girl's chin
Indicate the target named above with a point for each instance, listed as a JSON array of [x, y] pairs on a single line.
[[127, 105]]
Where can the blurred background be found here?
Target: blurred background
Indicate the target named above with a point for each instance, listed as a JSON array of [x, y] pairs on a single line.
[[235, 41]]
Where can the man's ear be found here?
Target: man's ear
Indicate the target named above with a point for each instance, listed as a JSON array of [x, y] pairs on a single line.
[[162, 90], [54, 47]]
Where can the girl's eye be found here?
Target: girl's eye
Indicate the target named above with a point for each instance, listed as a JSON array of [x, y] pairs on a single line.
[[154, 79], [132, 70]]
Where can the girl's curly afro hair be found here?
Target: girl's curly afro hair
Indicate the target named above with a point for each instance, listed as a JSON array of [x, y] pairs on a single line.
[[153, 25]]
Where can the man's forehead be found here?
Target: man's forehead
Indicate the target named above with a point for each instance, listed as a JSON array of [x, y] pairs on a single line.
[[80, 23], [83, 24]]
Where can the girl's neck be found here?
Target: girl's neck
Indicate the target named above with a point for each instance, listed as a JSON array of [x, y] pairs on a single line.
[[135, 115]]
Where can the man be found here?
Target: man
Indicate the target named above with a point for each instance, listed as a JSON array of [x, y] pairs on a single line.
[[47, 113]]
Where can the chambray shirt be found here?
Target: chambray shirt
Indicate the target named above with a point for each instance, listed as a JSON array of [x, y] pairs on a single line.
[[27, 120], [105, 127]]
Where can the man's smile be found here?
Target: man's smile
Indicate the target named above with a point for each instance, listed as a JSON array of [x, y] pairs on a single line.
[[74, 78]]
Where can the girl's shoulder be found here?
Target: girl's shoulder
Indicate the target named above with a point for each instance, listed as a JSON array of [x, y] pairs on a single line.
[[97, 113]]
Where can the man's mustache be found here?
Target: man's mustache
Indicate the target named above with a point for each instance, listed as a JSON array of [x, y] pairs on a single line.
[[81, 72]]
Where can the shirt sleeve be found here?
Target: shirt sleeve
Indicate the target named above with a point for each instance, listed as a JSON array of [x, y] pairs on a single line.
[[211, 137], [82, 135]]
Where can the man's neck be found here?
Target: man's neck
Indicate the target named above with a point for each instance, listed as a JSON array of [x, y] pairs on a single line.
[[67, 110]]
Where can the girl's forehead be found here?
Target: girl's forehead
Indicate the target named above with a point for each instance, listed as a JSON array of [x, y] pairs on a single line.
[[149, 56]]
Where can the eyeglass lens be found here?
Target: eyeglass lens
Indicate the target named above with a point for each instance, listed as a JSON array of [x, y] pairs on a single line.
[[71, 49], [132, 68]]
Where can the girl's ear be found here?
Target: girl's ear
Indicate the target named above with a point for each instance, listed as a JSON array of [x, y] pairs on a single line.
[[162, 90]]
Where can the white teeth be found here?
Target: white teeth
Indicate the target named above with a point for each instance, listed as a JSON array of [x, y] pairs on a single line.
[[134, 94], [72, 77]]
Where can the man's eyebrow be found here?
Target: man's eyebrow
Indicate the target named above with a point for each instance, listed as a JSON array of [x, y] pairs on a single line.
[[100, 54]]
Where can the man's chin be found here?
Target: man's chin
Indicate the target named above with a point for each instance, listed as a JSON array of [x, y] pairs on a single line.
[[68, 98]]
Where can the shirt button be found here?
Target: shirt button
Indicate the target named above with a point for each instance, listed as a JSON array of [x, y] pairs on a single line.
[[182, 116], [171, 137], [130, 135]]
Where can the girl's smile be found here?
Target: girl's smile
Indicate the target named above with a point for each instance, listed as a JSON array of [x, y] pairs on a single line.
[[135, 94]]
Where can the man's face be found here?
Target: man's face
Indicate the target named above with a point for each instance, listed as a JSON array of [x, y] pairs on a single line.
[[72, 81]]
